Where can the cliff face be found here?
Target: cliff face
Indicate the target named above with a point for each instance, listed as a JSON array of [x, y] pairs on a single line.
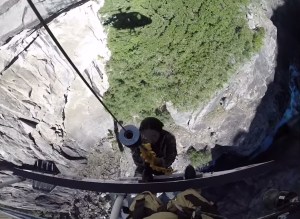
[[46, 111], [45, 108], [16, 15], [234, 116]]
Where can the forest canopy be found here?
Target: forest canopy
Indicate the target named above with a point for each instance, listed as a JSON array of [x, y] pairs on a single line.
[[187, 52]]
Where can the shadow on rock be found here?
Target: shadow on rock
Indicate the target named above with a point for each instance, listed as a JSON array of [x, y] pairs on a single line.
[[284, 149], [244, 199], [275, 102], [277, 96], [128, 20]]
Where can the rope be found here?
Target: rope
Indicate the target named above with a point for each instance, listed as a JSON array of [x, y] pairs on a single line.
[[116, 131], [149, 156], [69, 60]]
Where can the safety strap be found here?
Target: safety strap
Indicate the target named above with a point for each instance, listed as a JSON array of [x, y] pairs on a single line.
[[205, 207], [184, 213], [140, 211]]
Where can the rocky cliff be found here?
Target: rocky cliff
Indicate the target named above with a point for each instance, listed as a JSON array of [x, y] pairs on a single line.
[[46, 111], [16, 15], [234, 116]]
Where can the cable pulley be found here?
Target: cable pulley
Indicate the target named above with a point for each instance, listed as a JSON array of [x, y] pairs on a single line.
[[130, 136]]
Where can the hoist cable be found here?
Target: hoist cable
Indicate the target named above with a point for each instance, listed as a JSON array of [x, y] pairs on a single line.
[[69, 59]]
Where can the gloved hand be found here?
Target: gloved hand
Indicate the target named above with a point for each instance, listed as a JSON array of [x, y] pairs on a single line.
[[159, 162]]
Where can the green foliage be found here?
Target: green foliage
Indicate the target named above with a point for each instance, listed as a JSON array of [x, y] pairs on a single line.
[[258, 37], [186, 53], [198, 158]]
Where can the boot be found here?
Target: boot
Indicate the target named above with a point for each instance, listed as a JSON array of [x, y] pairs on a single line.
[[147, 175], [189, 172]]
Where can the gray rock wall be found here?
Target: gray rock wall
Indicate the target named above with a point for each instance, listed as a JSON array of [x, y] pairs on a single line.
[[43, 100], [16, 15], [46, 111]]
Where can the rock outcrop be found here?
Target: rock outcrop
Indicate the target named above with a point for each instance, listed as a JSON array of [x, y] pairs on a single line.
[[229, 116], [16, 15]]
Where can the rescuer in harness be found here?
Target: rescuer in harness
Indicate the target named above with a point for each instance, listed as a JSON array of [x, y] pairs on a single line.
[[189, 204], [162, 143]]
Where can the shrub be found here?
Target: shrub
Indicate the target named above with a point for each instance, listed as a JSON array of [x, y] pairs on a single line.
[[199, 158]]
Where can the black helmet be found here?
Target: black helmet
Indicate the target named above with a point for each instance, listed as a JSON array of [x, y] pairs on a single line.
[[151, 123]]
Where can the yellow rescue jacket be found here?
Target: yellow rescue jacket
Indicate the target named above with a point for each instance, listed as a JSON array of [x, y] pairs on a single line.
[[149, 157]]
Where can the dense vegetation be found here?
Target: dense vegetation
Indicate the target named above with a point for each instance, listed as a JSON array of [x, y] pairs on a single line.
[[183, 56], [198, 158]]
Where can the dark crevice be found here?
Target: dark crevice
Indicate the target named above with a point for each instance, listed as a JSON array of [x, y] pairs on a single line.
[[70, 157], [31, 102], [17, 56], [10, 64], [67, 156], [24, 14], [28, 122], [98, 70], [3, 134], [32, 138], [93, 84], [8, 126], [63, 114]]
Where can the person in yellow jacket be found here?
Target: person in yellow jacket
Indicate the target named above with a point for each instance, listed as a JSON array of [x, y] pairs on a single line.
[[163, 144], [186, 205]]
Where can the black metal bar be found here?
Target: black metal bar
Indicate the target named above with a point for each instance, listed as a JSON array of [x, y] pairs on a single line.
[[16, 214], [68, 58], [207, 180], [294, 207]]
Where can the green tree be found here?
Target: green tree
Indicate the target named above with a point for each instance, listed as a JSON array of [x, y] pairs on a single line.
[[187, 53]]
